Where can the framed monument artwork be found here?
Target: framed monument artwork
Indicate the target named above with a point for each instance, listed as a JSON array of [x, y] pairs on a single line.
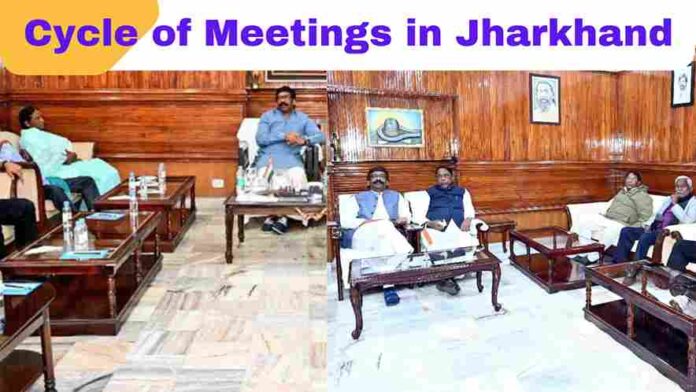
[[390, 127], [296, 76], [544, 99], [683, 86]]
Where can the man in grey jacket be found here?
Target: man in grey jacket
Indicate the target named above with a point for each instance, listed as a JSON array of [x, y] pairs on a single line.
[[679, 208]]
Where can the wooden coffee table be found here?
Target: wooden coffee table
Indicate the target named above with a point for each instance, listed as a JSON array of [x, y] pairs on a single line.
[[376, 272], [93, 297], [651, 329], [177, 215], [25, 315], [233, 208], [551, 268]]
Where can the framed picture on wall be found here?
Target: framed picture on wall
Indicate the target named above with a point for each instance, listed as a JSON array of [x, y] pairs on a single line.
[[390, 127], [296, 76], [544, 99], [683, 86]]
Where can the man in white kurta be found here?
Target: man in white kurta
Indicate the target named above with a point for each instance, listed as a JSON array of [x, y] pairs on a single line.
[[371, 218]]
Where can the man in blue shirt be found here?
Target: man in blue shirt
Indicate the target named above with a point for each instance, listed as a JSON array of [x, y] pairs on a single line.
[[19, 213], [281, 135]]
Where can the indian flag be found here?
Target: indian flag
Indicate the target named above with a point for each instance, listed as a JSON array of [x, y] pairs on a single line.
[[268, 173]]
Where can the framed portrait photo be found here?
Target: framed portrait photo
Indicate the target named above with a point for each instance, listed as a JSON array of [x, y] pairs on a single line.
[[387, 127], [544, 99], [683, 86]]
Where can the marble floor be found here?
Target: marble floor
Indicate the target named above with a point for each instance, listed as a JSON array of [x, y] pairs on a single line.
[[271, 322], [431, 341], [203, 325]]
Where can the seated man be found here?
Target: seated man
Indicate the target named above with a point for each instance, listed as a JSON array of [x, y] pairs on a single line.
[[679, 208], [632, 206], [683, 253], [55, 157], [450, 208], [372, 216], [20, 214], [450, 213], [281, 135], [53, 187]]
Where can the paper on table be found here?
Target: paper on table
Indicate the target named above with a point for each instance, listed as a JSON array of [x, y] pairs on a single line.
[[119, 197], [44, 249], [255, 197]]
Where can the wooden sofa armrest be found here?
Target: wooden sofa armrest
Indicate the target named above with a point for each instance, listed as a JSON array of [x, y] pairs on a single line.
[[334, 229], [84, 150], [482, 230], [31, 188]]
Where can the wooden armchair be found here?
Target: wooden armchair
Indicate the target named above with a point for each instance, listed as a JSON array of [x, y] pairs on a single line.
[[6, 192]]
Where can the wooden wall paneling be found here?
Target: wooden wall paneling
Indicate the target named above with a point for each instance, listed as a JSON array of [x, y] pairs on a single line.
[[4, 100], [659, 177], [491, 117], [652, 130], [312, 101], [193, 131], [176, 80]]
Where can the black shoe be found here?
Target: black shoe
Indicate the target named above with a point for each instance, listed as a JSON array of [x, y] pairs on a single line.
[[448, 286], [268, 224], [582, 260], [280, 228]]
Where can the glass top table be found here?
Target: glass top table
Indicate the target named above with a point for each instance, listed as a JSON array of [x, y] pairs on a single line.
[[544, 256], [417, 268]]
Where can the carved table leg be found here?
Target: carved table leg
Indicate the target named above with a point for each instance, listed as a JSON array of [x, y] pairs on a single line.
[[494, 289], [691, 367], [505, 237], [630, 321], [588, 292], [112, 296], [479, 285], [240, 229], [356, 301], [549, 280], [138, 265], [229, 228], [47, 354]]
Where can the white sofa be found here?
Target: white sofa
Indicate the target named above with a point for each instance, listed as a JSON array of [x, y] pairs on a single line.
[[585, 219], [418, 202]]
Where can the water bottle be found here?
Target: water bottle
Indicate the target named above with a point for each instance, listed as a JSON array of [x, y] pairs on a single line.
[[132, 197], [162, 178], [81, 235], [241, 181], [67, 226], [143, 188]]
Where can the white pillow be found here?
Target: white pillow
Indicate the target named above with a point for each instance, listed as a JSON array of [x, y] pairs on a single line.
[[419, 201]]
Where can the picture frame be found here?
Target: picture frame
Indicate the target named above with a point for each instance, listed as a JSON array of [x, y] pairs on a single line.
[[544, 99], [296, 76], [682, 87], [395, 127]]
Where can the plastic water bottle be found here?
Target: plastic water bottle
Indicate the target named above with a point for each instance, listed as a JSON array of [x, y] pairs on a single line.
[[162, 178], [143, 188], [241, 181], [132, 197], [67, 226], [81, 235]]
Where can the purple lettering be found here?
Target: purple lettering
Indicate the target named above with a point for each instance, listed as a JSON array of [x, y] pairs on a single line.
[[30, 32]]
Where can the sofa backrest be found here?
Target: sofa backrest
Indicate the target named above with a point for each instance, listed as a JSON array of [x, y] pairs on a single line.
[[13, 138]]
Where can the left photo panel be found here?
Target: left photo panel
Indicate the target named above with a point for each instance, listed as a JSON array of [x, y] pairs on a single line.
[[164, 230]]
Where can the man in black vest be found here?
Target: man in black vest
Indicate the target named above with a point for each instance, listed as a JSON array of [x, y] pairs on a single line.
[[449, 204]]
